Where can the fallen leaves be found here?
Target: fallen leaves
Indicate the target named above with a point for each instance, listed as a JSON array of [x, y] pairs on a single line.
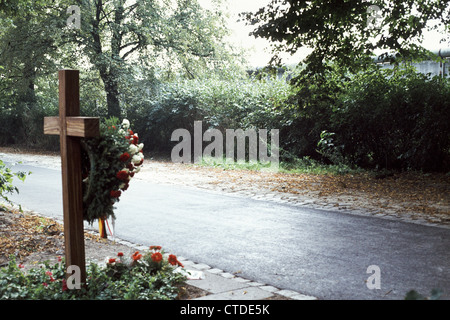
[[24, 234], [411, 195]]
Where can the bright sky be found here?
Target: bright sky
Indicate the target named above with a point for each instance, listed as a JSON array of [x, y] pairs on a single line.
[[259, 49]]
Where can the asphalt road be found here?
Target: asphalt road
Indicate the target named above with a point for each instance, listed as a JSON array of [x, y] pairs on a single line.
[[319, 253]]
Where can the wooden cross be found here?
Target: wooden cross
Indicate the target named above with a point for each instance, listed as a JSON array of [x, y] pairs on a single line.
[[71, 128]]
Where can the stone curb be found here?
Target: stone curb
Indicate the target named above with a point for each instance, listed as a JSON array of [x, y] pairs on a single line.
[[244, 286], [227, 286]]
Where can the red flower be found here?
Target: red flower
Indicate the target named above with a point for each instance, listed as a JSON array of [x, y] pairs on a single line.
[[64, 285], [157, 257], [120, 254], [174, 261], [155, 247], [136, 256], [125, 157], [115, 193], [122, 175], [112, 260], [135, 139], [50, 275]]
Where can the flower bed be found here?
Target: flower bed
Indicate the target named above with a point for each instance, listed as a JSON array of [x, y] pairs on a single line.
[[149, 275]]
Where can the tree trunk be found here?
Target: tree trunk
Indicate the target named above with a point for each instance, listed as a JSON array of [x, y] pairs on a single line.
[[112, 96], [107, 72], [27, 94]]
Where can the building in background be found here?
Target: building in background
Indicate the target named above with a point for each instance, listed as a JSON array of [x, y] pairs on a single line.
[[427, 66]]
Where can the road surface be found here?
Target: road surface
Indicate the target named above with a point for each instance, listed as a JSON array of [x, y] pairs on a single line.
[[319, 253]]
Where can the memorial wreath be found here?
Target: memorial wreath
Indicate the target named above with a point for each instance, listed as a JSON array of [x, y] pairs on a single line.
[[109, 162]]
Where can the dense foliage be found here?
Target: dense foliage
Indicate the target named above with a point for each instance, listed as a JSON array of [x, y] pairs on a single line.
[[230, 102], [165, 69], [395, 120], [382, 119], [6, 181], [348, 32], [148, 275]]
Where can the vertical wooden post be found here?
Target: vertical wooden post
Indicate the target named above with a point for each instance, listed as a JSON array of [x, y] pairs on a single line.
[[71, 128], [69, 106]]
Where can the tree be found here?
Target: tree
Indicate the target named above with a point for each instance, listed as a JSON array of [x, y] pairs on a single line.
[[28, 36], [116, 35], [28, 45], [348, 32]]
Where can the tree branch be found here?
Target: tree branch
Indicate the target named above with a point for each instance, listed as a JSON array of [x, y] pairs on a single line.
[[129, 44], [131, 8], [132, 50]]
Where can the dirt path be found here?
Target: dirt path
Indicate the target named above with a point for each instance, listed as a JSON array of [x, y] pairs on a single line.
[[420, 198]]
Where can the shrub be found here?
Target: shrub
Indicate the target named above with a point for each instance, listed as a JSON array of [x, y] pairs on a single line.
[[224, 103], [140, 276], [6, 180], [379, 118], [395, 119]]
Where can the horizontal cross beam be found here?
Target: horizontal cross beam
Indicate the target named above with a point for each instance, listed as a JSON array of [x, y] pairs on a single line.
[[83, 127]]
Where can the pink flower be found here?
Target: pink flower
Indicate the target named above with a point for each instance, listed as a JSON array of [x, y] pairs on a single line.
[[51, 276]]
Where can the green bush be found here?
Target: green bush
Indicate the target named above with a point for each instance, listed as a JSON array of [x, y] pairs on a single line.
[[377, 119], [435, 294], [139, 277], [385, 119], [6, 181], [22, 118], [224, 103], [395, 119]]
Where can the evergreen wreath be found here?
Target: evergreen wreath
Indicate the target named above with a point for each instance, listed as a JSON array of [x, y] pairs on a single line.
[[108, 164]]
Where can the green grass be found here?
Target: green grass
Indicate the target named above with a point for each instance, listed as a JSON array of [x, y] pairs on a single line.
[[304, 165], [307, 165]]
